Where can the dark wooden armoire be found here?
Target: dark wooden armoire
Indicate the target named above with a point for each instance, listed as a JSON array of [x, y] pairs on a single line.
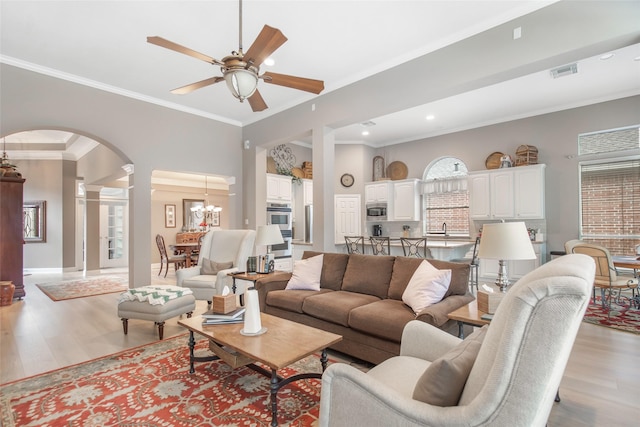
[[11, 232]]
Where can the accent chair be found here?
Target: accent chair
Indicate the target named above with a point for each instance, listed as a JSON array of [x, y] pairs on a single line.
[[512, 381]]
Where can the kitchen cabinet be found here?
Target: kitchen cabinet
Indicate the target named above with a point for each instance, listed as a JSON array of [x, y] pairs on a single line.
[[406, 200], [307, 192], [510, 193], [529, 192], [377, 192], [515, 269], [279, 188]]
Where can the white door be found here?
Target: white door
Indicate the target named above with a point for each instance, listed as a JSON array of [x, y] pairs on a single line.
[[113, 234], [348, 216]]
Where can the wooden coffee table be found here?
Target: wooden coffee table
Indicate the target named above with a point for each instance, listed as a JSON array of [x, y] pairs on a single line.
[[284, 343]]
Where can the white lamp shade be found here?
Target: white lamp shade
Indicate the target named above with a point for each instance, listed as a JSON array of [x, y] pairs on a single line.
[[505, 241], [241, 83], [268, 235]]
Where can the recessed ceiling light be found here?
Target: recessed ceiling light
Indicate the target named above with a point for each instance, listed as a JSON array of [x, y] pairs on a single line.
[[365, 132], [607, 56], [431, 117], [269, 61], [637, 58]]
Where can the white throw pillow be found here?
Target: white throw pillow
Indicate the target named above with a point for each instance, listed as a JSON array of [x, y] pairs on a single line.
[[306, 274], [426, 287]]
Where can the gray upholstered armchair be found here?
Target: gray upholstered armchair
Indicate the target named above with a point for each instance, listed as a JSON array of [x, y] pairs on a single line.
[[511, 382], [230, 247]]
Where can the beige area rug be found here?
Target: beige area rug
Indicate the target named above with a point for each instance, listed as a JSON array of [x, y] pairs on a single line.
[[86, 287]]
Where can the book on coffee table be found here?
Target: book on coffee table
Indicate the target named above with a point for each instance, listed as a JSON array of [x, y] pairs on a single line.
[[229, 316], [239, 319]]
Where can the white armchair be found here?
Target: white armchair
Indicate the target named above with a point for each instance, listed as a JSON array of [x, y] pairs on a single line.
[[513, 380], [220, 246]]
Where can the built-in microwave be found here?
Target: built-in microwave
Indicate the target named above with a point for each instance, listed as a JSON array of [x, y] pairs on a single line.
[[376, 211]]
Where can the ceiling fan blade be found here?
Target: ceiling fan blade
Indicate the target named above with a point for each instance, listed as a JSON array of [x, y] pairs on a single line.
[[256, 102], [159, 41], [197, 85], [300, 83], [267, 42]]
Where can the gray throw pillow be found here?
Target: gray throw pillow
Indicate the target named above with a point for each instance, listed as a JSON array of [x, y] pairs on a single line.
[[442, 382], [212, 268]]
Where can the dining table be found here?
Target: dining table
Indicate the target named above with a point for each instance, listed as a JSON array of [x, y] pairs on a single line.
[[630, 262], [187, 249]]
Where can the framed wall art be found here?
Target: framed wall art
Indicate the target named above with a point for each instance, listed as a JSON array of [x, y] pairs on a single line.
[[169, 216], [215, 219]]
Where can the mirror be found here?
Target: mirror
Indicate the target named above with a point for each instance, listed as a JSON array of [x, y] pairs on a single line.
[[34, 218], [190, 219]]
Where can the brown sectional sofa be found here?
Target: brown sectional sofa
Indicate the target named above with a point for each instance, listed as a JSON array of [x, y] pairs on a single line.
[[360, 298]]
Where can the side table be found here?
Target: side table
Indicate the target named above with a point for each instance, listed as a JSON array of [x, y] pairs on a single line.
[[469, 315], [250, 277]]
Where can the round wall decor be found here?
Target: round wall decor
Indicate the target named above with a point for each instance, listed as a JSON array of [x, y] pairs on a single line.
[[347, 180]]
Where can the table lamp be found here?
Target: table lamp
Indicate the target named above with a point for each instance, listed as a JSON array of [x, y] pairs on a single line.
[[267, 235], [505, 241]]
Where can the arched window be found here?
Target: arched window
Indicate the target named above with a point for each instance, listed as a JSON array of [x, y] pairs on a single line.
[[446, 199]]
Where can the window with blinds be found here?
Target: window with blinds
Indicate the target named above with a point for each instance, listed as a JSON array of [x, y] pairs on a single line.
[[445, 196], [610, 208]]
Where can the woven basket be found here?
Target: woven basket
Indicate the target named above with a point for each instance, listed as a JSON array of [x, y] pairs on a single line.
[[526, 155]]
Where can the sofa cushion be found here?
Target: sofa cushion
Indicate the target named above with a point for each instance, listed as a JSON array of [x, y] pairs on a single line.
[[426, 287], [459, 276], [291, 300], [442, 382], [404, 267], [333, 268], [335, 306], [368, 274], [210, 267], [306, 274], [385, 319]]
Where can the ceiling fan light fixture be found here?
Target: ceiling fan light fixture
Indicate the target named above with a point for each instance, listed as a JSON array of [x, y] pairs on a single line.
[[242, 83]]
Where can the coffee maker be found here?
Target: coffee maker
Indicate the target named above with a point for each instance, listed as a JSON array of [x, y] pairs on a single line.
[[377, 230]]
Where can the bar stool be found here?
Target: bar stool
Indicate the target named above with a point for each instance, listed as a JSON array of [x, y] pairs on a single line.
[[380, 245], [415, 247], [355, 244], [474, 263]]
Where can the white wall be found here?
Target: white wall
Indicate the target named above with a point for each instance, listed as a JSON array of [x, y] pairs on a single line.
[[44, 182], [146, 135]]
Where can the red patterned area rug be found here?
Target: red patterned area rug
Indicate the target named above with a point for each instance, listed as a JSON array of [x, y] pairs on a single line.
[[151, 386], [623, 317], [87, 287]]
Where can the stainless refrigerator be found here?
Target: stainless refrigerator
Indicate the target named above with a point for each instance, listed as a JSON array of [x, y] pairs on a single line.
[[308, 223]]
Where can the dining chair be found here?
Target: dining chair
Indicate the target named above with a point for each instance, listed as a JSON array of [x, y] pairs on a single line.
[[415, 247], [380, 245], [177, 260], [611, 286], [474, 262], [355, 244], [195, 254]]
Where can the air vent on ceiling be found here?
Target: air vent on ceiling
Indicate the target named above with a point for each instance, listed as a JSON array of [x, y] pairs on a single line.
[[565, 70]]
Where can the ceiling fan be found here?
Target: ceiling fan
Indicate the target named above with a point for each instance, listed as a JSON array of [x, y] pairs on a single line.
[[241, 71]]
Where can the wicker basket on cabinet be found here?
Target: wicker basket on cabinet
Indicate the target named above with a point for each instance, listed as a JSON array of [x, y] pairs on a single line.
[[526, 155]]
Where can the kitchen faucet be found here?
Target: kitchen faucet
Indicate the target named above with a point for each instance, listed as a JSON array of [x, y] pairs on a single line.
[[444, 227]]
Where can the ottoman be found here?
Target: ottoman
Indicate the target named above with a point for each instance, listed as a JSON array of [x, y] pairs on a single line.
[[155, 303]]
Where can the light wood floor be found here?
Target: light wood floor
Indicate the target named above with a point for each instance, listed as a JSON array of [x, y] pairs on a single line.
[[601, 385]]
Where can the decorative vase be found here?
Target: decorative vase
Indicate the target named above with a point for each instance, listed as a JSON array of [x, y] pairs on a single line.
[[6, 293]]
